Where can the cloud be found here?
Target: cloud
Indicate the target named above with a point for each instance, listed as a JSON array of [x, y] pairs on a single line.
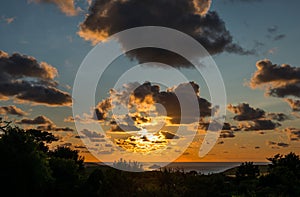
[[277, 145], [53, 127], [273, 29], [278, 81], [107, 17], [255, 119], [202, 6], [102, 109], [215, 126], [293, 133], [10, 20], [277, 116], [69, 119], [243, 1], [227, 130], [7, 20], [273, 33], [142, 100], [257, 125], [13, 110], [245, 112], [227, 134], [294, 104], [37, 120], [65, 6], [279, 37], [169, 135], [25, 79], [124, 127], [91, 134], [272, 50]]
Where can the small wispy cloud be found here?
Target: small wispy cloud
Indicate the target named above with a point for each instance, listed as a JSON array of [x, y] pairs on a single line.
[[66, 6], [7, 20]]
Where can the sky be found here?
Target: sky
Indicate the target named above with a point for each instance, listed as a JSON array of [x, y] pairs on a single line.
[[254, 44]]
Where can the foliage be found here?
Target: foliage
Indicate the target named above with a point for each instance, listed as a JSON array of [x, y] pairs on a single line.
[[24, 165], [64, 152], [247, 170], [283, 178], [29, 168]]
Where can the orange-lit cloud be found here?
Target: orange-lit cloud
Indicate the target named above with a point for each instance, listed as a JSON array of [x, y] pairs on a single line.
[[192, 17], [293, 133], [294, 104], [66, 6], [7, 20], [13, 110], [38, 120], [147, 99]]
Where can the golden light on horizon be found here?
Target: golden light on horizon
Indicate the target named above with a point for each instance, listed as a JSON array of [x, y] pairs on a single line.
[[143, 142]]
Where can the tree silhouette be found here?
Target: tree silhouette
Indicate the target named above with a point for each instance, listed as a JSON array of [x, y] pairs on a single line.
[[247, 170], [24, 168], [283, 178], [42, 138], [65, 152]]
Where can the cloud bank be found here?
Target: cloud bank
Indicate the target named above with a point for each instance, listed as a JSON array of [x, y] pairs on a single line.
[[255, 119], [278, 81], [107, 17], [142, 100], [25, 79]]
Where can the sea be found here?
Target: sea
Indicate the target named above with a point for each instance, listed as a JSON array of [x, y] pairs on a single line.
[[200, 167], [207, 167]]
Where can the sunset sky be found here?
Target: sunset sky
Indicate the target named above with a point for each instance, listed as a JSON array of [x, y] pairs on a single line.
[[255, 44]]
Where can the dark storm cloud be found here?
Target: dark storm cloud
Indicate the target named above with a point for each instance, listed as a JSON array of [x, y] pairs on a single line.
[[13, 110], [245, 112], [25, 79], [107, 17], [294, 104], [37, 120], [278, 81]]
